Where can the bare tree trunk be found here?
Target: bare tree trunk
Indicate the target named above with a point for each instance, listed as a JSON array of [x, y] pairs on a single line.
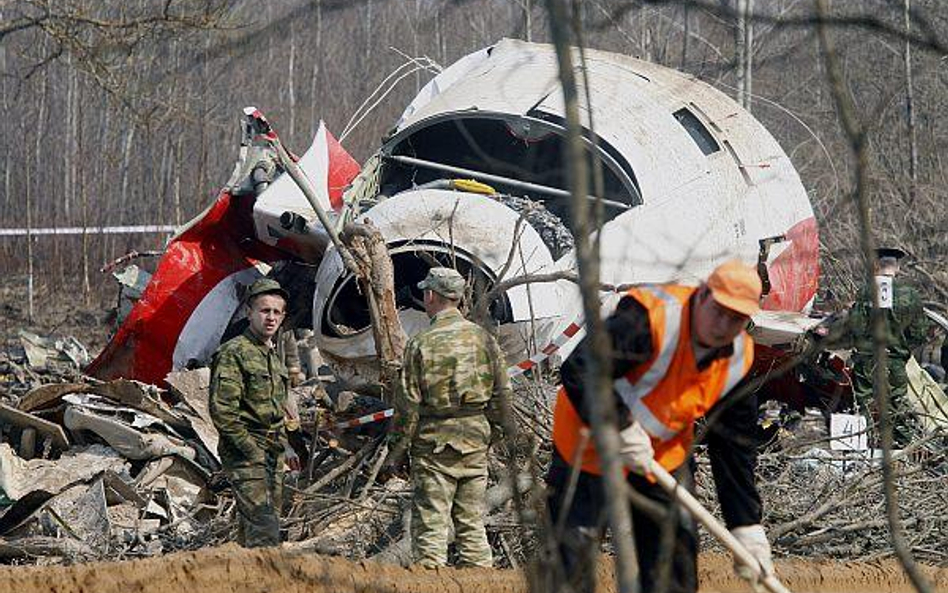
[[856, 135], [40, 132], [748, 54], [202, 157], [290, 90], [164, 179], [269, 37], [598, 387], [176, 196], [68, 151], [646, 37], [377, 280], [440, 36], [83, 195], [6, 180], [740, 51], [316, 61], [368, 32], [102, 172], [686, 33], [127, 163], [29, 244], [416, 46], [910, 106]]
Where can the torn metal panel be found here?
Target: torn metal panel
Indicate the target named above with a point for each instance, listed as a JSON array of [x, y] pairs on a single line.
[[124, 519], [81, 513], [45, 353], [42, 546], [193, 387], [22, 510], [205, 254], [132, 281], [781, 328], [203, 331], [49, 395], [23, 420], [124, 438], [282, 215], [140, 396], [153, 470], [206, 251], [927, 397], [19, 477], [119, 491]]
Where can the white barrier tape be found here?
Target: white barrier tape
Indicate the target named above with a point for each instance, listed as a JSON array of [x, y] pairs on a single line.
[[78, 230]]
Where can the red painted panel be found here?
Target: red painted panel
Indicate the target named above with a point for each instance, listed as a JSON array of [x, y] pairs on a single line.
[[795, 273]]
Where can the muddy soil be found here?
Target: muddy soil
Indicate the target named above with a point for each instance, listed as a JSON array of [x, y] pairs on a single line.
[[230, 569]]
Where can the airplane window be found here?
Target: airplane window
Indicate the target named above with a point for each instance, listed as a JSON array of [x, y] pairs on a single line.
[[697, 131]]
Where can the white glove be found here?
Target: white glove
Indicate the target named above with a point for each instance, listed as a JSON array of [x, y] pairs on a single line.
[[754, 539], [635, 447]]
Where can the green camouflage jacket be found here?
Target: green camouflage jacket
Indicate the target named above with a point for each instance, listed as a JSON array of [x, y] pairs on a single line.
[[907, 325], [451, 390], [248, 390]]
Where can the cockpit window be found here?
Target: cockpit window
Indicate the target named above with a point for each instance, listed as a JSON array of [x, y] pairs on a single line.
[[698, 132]]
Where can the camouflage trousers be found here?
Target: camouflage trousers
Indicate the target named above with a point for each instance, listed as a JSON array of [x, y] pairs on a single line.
[[449, 487], [904, 424], [258, 491]]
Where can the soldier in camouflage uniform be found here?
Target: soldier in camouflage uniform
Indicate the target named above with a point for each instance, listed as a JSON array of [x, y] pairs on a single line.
[[248, 391], [906, 329], [448, 401]]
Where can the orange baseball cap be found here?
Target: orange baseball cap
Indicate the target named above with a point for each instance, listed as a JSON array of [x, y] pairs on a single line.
[[737, 286]]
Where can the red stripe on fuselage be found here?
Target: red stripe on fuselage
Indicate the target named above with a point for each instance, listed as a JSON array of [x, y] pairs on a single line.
[[794, 274], [193, 264]]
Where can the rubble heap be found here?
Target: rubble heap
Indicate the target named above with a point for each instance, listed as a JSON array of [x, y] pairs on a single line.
[[120, 469]]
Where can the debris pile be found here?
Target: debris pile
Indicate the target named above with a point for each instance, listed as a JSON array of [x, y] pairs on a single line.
[[823, 498], [120, 469], [93, 470], [109, 470]]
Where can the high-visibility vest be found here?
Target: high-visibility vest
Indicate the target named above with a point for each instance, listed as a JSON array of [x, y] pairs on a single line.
[[665, 394]]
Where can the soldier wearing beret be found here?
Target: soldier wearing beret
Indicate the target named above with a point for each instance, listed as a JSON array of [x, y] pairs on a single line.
[[448, 401], [248, 391]]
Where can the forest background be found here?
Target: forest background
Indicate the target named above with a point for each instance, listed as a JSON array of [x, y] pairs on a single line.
[[126, 113]]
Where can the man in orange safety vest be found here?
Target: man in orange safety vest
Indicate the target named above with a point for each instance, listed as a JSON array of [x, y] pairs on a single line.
[[677, 351]]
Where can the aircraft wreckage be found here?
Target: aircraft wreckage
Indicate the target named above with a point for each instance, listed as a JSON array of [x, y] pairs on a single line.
[[689, 179]]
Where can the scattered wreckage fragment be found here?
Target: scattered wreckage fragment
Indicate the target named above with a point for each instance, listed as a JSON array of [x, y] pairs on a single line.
[[122, 468], [99, 467]]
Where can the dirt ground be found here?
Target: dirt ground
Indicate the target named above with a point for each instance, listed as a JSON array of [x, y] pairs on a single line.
[[58, 312], [229, 569]]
